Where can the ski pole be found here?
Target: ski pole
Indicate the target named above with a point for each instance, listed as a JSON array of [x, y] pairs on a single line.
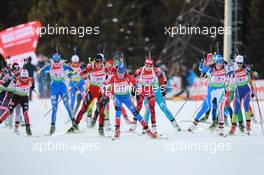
[[260, 114], [186, 100], [76, 85], [253, 106], [58, 102], [197, 110], [183, 104], [198, 95], [83, 94]]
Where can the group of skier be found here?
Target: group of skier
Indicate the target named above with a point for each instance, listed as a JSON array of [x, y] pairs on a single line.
[[96, 83], [102, 81], [15, 86], [112, 81], [229, 83]]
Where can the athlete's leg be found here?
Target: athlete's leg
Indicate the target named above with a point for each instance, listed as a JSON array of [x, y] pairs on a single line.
[[162, 104], [72, 95], [151, 100], [147, 113]]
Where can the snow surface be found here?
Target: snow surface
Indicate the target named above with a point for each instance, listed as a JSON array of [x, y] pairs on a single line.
[[131, 154]]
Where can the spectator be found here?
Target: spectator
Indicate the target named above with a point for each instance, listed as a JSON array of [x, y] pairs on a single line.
[[42, 81], [41, 63], [31, 70], [29, 66], [47, 79], [188, 78]]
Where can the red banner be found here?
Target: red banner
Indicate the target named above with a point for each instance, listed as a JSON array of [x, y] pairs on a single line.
[[19, 39]]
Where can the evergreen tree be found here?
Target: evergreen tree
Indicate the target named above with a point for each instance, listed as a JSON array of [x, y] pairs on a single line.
[[255, 42], [125, 25]]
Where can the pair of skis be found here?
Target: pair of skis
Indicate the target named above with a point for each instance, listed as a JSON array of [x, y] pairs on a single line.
[[159, 136]]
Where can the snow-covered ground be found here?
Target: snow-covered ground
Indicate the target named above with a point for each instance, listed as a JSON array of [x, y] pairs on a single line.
[[203, 152]]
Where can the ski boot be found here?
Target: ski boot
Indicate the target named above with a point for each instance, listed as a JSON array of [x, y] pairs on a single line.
[[52, 129], [74, 127], [16, 130], [248, 128], [150, 133], [193, 126], [221, 129], [213, 125], [28, 130], [154, 128], [117, 132], [175, 125], [133, 126], [241, 127], [101, 130], [233, 129]]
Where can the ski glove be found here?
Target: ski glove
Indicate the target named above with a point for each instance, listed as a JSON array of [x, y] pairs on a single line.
[[32, 87], [164, 93], [252, 95]]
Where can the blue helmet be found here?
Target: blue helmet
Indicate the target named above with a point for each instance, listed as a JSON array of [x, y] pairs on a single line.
[[218, 59], [56, 57], [121, 69]]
